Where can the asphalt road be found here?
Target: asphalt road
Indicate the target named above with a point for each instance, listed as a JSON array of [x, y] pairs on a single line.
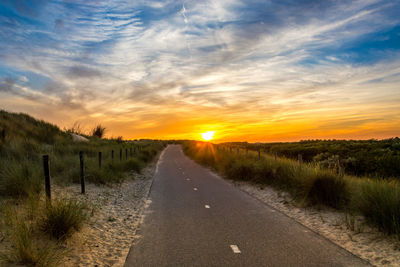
[[197, 219]]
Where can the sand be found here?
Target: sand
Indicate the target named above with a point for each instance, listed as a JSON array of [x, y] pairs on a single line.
[[360, 239]]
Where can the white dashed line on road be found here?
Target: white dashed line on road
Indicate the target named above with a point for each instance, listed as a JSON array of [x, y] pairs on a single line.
[[195, 189], [187, 179], [235, 249], [207, 207]]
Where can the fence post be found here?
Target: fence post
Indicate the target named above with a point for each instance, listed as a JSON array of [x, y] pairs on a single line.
[[112, 156], [46, 168], [300, 160], [276, 156], [82, 165], [100, 160], [259, 154], [120, 154]]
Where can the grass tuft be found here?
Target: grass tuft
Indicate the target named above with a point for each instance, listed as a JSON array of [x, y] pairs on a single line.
[[63, 217], [379, 202], [20, 179], [26, 248]]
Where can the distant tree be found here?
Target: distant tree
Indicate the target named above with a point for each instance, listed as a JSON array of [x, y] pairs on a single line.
[[99, 131]]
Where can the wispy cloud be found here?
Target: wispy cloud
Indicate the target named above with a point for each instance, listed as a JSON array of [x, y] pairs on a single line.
[[259, 70]]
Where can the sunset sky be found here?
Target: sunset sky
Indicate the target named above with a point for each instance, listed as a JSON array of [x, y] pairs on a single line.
[[249, 70]]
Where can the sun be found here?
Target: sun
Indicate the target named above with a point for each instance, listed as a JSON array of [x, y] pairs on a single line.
[[207, 136]]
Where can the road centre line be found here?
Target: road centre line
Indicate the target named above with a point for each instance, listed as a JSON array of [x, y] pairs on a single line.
[[207, 207], [235, 249], [195, 189]]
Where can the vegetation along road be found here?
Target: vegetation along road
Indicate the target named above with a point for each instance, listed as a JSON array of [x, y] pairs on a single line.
[[196, 218]]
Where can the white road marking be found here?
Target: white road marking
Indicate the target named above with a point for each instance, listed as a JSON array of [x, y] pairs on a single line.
[[207, 207], [187, 179], [195, 189], [235, 249]]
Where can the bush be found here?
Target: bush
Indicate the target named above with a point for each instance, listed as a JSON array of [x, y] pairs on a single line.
[[329, 190], [241, 170], [63, 217], [132, 164]]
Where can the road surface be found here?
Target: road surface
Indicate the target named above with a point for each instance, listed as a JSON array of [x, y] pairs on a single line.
[[197, 219]]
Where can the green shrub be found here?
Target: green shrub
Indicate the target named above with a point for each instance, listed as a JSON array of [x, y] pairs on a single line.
[[63, 217], [329, 190], [147, 154], [241, 170], [264, 173], [132, 164]]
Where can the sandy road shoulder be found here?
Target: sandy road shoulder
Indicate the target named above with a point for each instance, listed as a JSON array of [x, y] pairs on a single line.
[[117, 214]]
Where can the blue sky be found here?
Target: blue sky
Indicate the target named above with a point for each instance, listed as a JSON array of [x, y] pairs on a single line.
[[254, 70]]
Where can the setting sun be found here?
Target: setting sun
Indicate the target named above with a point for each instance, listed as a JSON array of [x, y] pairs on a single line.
[[207, 136]]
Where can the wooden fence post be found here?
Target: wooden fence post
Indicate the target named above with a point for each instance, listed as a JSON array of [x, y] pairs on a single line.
[[82, 165], [100, 160], [46, 168], [300, 160], [276, 156], [120, 154], [112, 156]]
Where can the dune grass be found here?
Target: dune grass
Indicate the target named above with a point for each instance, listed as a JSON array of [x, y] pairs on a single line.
[[377, 200]]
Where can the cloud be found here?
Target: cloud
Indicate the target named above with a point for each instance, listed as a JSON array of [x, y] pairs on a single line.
[[237, 63], [82, 72], [7, 85]]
